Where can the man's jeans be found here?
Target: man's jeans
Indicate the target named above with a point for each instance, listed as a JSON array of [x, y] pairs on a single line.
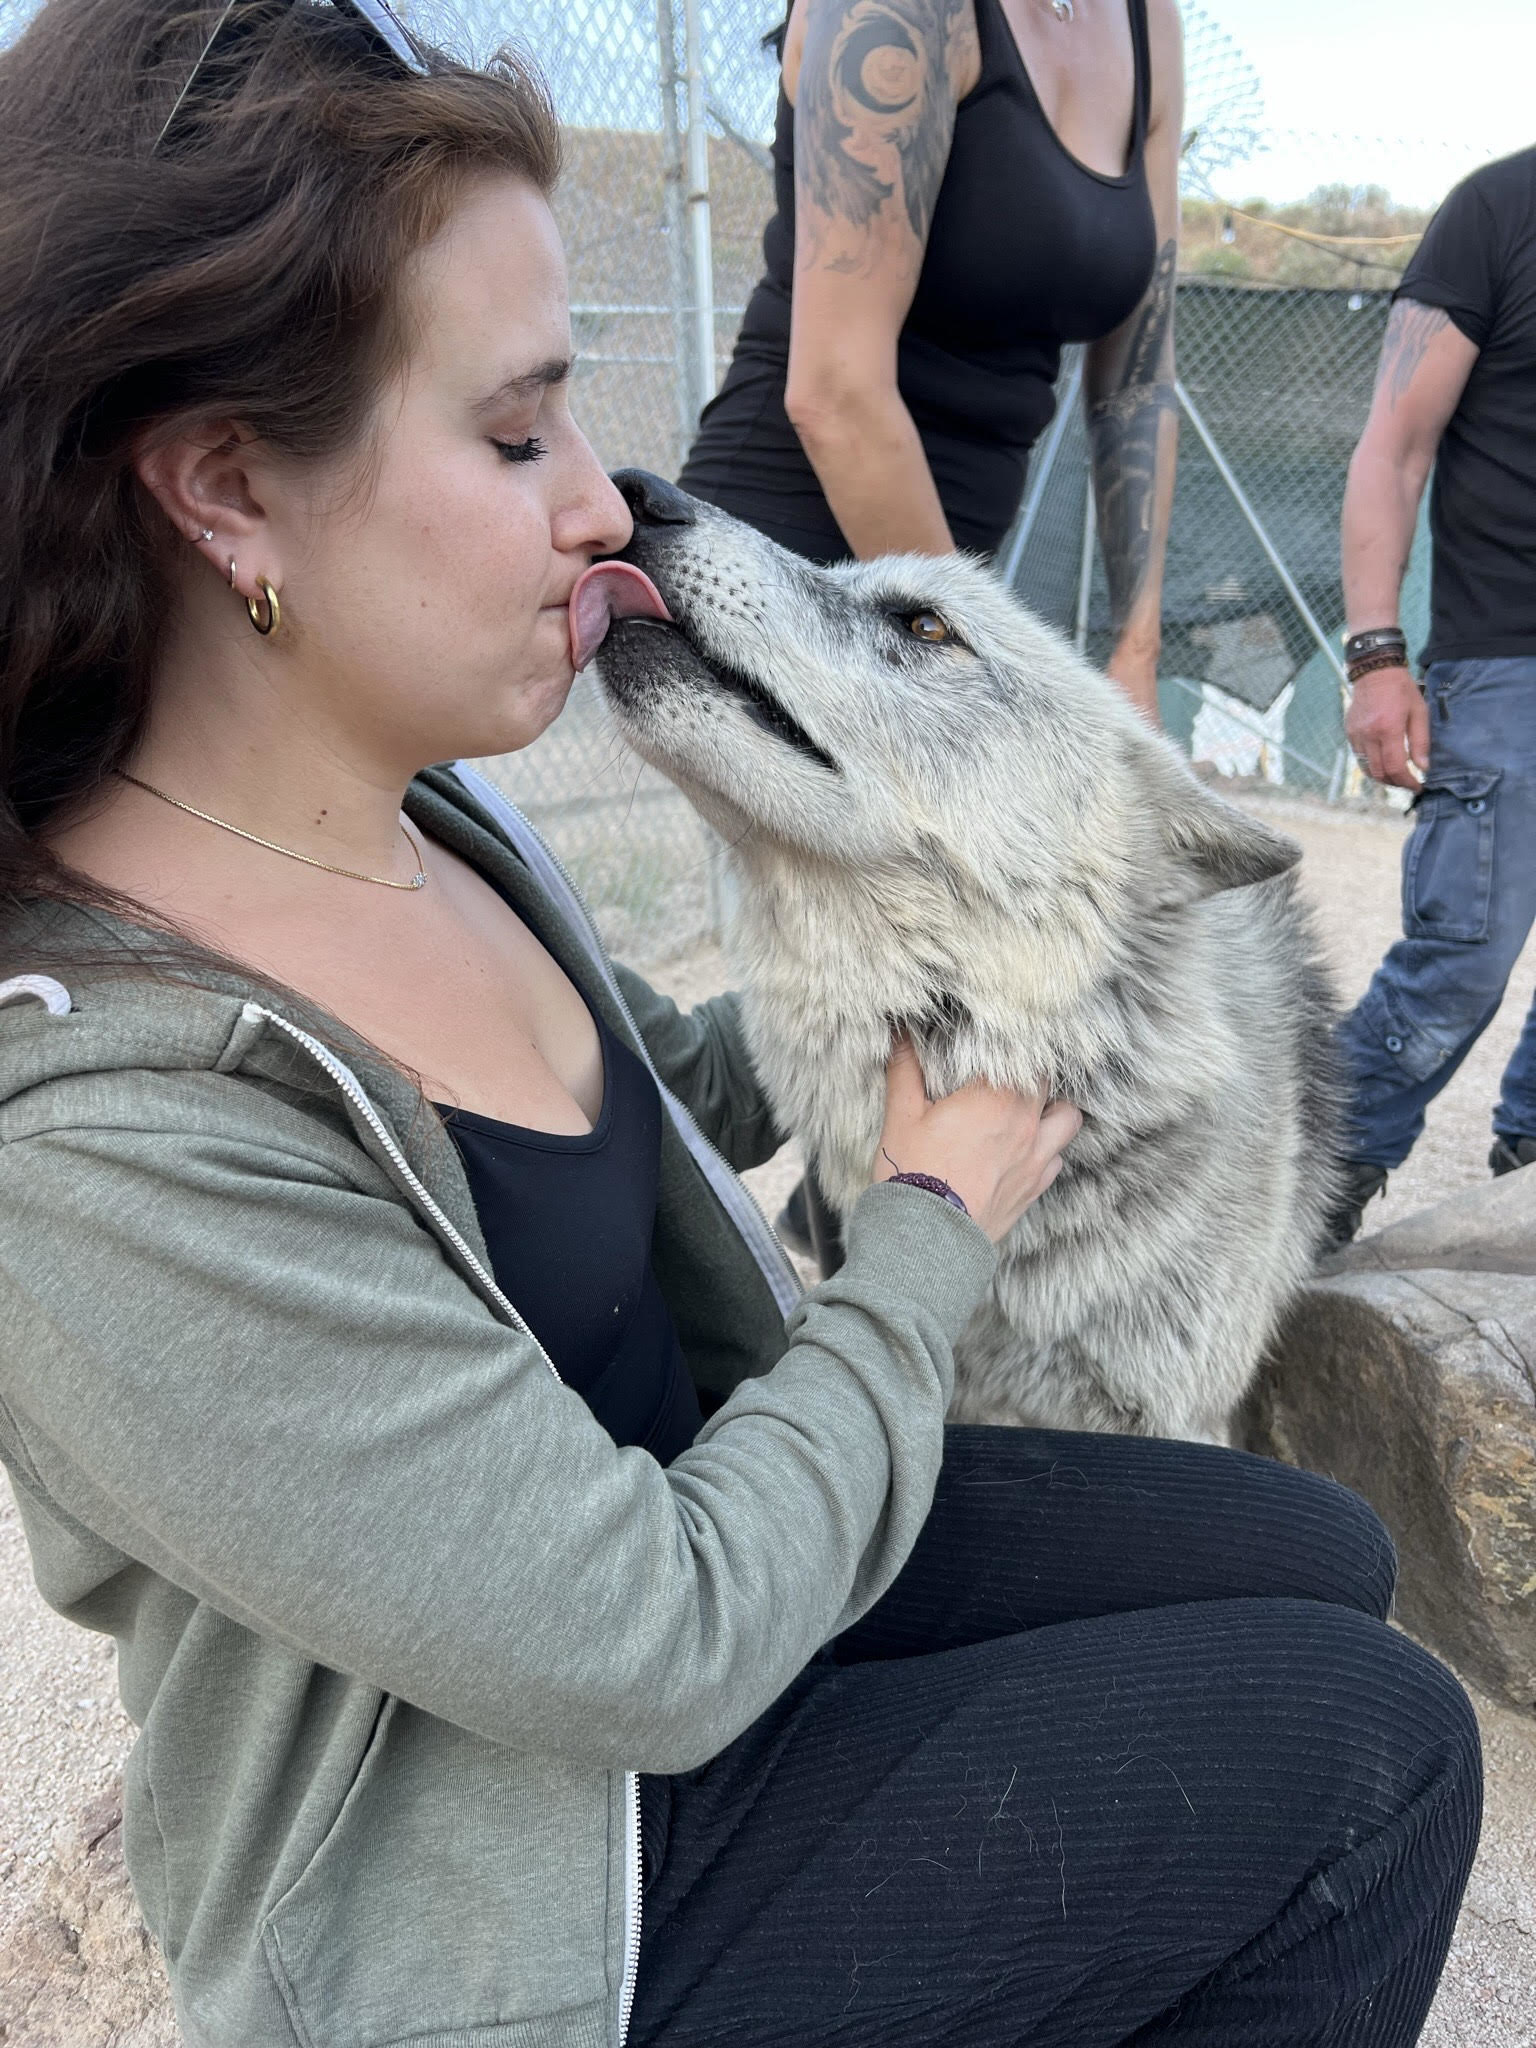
[[1469, 896]]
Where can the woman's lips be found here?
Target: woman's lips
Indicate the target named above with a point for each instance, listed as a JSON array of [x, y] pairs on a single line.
[[603, 593]]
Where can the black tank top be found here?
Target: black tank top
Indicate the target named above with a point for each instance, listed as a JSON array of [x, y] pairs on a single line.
[[568, 1223], [1028, 249]]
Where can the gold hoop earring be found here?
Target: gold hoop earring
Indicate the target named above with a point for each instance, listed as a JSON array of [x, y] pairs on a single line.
[[274, 613], [231, 572]]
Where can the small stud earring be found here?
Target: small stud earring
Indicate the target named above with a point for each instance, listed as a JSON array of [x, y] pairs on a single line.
[[206, 534]]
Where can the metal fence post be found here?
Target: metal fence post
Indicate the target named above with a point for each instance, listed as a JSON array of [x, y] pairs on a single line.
[[674, 173], [700, 246], [1085, 564], [1041, 475], [696, 346]]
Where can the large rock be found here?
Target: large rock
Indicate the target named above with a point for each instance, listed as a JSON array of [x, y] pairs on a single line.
[[80, 1970], [1415, 1383], [1487, 1229]]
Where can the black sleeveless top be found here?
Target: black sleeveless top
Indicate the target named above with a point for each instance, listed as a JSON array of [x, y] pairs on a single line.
[[1028, 249], [568, 1223]]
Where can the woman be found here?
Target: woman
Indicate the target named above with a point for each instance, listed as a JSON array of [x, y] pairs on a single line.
[[362, 1291], [962, 187]]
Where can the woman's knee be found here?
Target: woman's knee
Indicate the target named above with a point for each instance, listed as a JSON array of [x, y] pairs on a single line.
[[1358, 1719], [1409, 1739], [1331, 1545]]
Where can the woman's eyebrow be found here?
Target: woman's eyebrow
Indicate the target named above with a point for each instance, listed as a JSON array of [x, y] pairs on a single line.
[[525, 384]]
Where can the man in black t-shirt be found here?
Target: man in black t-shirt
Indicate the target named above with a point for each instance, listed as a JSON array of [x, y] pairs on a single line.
[[1456, 389]]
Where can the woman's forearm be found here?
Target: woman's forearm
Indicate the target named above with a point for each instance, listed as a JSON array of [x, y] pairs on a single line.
[[869, 461], [1134, 438], [1133, 432]]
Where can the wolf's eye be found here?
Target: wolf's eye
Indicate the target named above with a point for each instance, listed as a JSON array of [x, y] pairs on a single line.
[[927, 626]]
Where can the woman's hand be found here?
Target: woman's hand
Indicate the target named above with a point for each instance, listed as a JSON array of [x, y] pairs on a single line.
[[997, 1149]]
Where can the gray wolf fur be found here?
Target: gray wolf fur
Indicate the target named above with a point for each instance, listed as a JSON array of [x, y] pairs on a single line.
[[978, 841]]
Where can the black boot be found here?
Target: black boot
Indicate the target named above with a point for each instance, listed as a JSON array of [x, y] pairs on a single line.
[[807, 1225], [1360, 1181], [792, 1226], [1510, 1154]]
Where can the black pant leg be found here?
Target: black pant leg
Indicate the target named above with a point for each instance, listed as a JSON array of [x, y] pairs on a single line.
[[1357, 1954], [1240, 1824], [1030, 1527]]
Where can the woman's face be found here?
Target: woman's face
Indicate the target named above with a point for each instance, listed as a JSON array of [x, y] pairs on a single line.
[[428, 604]]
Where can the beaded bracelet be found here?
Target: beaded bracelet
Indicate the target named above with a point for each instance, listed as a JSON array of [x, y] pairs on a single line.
[[928, 1181]]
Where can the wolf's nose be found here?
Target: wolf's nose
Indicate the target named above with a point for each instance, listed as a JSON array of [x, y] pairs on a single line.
[[652, 499]]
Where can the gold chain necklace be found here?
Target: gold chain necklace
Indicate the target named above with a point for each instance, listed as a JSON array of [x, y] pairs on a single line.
[[417, 881]]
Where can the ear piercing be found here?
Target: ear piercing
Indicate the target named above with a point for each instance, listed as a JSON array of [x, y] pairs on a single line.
[[266, 613], [265, 610], [206, 534]]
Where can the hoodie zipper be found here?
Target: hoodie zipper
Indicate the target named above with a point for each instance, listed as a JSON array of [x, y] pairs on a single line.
[[737, 1199], [744, 1212], [634, 1877], [357, 1095]]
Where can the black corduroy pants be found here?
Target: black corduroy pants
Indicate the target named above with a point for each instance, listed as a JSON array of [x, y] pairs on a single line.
[[1127, 1755]]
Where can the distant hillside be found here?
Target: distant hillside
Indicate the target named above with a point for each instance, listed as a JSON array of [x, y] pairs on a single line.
[[1221, 242]]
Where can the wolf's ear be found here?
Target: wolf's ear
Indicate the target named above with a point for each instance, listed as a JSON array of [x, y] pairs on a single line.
[[1213, 845]]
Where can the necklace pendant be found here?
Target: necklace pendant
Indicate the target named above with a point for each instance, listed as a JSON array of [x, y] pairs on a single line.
[[1062, 9]]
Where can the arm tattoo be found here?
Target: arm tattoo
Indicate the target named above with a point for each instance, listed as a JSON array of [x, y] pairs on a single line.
[[876, 111], [1124, 425], [1410, 329]]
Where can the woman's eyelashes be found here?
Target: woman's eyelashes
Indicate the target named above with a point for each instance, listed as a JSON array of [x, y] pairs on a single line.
[[520, 451]]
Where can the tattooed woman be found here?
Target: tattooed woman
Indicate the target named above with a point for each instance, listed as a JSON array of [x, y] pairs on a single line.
[[963, 186]]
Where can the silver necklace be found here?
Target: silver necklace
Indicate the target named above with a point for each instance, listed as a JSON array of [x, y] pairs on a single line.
[[417, 881]]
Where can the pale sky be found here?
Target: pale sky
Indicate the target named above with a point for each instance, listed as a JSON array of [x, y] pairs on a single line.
[[1410, 94]]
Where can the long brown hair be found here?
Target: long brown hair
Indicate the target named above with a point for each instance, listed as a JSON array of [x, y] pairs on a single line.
[[247, 271]]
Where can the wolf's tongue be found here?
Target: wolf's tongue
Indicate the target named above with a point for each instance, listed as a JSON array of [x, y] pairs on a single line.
[[605, 592]]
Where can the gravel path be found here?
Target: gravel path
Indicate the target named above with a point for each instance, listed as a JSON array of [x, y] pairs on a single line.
[[62, 1735]]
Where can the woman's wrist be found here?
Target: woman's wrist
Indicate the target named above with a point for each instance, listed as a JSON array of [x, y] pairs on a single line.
[[914, 1248], [929, 1182]]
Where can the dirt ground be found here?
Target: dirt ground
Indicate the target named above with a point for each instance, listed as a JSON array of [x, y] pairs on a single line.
[[62, 1735]]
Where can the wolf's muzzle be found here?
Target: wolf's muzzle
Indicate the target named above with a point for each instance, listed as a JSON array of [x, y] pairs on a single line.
[[652, 500]]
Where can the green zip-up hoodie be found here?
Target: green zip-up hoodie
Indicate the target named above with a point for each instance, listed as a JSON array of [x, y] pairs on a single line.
[[395, 1618]]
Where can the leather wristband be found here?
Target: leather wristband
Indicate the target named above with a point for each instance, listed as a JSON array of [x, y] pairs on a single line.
[[1368, 664], [1376, 641]]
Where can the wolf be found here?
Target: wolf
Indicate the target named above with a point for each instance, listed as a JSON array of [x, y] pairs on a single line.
[[941, 821]]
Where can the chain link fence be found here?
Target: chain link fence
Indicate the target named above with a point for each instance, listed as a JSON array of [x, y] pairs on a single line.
[[1274, 385], [668, 107]]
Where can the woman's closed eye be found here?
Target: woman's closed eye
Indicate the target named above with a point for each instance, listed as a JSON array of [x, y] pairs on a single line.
[[521, 451]]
